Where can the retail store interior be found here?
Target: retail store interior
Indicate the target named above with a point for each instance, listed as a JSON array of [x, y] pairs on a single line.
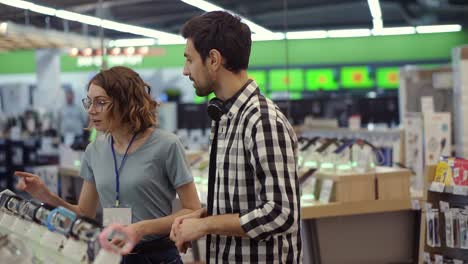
[[374, 90]]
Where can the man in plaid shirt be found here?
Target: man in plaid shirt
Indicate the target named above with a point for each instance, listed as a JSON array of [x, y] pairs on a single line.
[[253, 213]]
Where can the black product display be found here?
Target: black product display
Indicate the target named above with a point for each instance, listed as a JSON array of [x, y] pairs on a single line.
[[379, 110], [192, 116]]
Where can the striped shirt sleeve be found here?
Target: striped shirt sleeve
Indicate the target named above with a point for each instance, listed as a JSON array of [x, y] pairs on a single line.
[[272, 155]]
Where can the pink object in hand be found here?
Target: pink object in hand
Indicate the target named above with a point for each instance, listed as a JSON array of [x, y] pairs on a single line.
[[120, 232]]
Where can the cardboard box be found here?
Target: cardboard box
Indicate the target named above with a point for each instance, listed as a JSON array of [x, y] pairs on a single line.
[[349, 186], [392, 183]]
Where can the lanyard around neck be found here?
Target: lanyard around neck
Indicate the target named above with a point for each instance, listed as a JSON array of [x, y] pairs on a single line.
[[117, 171]]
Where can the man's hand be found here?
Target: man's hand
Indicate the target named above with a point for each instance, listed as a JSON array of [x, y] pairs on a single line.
[[200, 213], [189, 230]]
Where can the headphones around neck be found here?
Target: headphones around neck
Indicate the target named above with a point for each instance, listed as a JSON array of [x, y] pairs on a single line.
[[216, 109]]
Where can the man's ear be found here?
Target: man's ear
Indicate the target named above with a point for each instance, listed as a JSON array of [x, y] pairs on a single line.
[[215, 60]]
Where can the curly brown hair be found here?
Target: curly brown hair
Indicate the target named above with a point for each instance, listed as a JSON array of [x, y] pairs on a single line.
[[131, 100]]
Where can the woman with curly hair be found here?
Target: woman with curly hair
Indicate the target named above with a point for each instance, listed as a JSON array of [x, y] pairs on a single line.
[[134, 168]]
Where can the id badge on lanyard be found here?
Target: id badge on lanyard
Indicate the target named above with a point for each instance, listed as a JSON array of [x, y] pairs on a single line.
[[118, 214]]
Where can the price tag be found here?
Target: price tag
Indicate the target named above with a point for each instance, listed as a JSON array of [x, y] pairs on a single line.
[[427, 258], [326, 191], [437, 187], [428, 207], [444, 206], [460, 190], [415, 204]]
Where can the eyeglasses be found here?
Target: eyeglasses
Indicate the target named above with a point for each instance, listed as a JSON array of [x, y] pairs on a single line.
[[98, 104]]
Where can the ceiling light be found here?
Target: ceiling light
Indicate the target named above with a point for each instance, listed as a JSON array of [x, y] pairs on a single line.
[[203, 5], [3, 27], [143, 50], [394, 31], [269, 36], [115, 51], [74, 52], [313, 34], [438, 29], [129, 51], [348, 33], [95, 21], [374, 6], [87, 52], [90, 20], [208, 7], [377, 23], [132, 42]]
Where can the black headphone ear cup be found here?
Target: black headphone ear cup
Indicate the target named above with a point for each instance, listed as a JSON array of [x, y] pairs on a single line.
[[215, 109]]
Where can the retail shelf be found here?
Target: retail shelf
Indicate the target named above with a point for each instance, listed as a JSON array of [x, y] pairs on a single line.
[[321, 210]]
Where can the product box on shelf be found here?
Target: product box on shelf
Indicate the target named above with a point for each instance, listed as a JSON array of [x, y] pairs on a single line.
[[452, 173], [346, 186], [392, 183]]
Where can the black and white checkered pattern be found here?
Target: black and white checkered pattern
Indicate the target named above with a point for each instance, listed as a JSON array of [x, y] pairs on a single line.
[[257, 178]]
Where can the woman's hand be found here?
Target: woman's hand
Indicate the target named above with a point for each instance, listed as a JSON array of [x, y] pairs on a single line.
[[34, 185]]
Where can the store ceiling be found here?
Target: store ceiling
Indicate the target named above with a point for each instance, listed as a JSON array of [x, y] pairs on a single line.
[[170, 15]]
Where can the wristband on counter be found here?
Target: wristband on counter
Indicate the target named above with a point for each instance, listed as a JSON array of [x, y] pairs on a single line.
[[61, 219]]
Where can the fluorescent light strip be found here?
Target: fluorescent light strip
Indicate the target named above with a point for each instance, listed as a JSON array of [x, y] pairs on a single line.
[[208, 7], [90, 20], [3, 27], [438, 29], [313, 34], [264, 37], [132, 42], [349, 33], [374, 6], [394, 31], [377, 23], [95, 21]]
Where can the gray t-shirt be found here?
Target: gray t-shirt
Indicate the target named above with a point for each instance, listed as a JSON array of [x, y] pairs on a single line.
[[148, 179]]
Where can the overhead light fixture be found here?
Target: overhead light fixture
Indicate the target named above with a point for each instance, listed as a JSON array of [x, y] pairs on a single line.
[[94, 21], [90, 20], [374, 6], [136, 42], [438, 29], [266, 37], [208, 7], [377, 23], [349, 33], [3, 27], [394, 31], [313, 34]]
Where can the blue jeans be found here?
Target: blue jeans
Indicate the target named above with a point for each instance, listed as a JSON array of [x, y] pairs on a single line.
[[170, 256]]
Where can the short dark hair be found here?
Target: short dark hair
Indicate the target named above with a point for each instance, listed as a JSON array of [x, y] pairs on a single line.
[[224, 32]]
